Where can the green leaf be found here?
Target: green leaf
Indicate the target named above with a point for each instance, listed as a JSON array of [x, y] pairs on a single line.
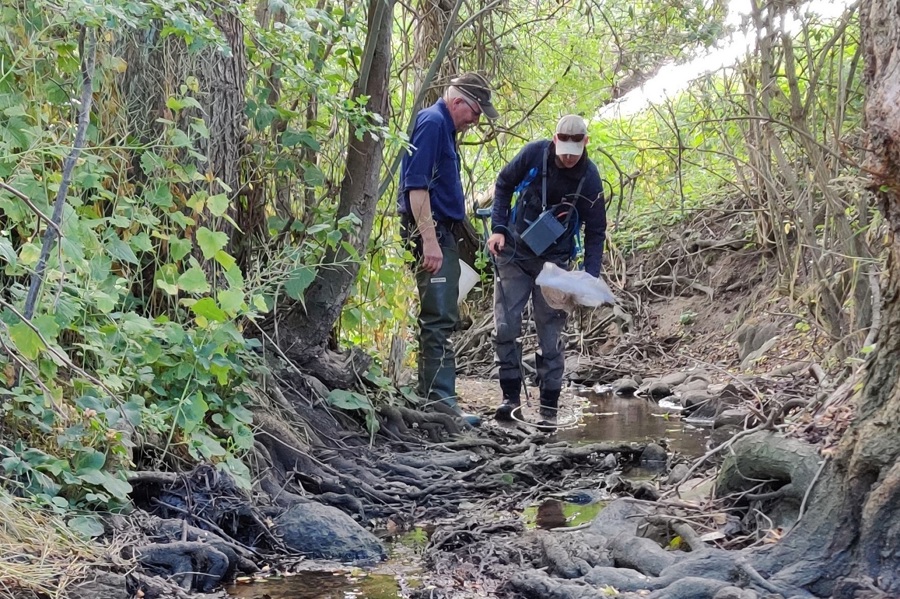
[[348, 400], [300, 279], [179, 248], [207, 446], [200, 128], [177, 104], [313, 176], [193, 280], [234, 276], [210, 242], [217, 204], [225, 259], [92, 476], [291, 138], [26, 340], [7, 252], [117, 487], [86, 526], [208, 308], [87, 460], [166, 278], [192, 412], [231, 300], [121, 251], [47, 325]]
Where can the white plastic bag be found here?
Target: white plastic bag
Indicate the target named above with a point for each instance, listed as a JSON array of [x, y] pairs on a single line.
[[563, 289]]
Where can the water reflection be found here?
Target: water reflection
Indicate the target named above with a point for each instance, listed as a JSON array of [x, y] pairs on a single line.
[[321, 585], [608, 417], [554, 513]]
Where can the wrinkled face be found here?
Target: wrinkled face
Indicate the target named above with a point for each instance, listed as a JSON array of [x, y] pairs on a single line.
[[464, 112]]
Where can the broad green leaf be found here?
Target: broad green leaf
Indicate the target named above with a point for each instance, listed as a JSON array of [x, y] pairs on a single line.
[[92, 476], [26, 340], [150, 162], [194, 280], [166, 278], [193, 411], [178, 104], [235, 277], [207, 446], [179, 248], [47, 325], [225, 259], [300, 279], [210, 242], [120, 250], [291, 138], [200, 128], [88, 459], [208, 308], [86, 526], [217, 204], [29, 254], [348, 400], [231, 300], [117, 487]]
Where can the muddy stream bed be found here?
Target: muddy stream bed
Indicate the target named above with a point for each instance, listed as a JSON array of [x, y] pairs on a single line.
[[587, 416]]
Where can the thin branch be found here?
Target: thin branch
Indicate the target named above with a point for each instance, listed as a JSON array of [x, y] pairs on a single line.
[[88, 56], [31, 205]]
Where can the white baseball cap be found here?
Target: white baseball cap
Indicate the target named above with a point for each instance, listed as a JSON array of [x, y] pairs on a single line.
[[571, 132]]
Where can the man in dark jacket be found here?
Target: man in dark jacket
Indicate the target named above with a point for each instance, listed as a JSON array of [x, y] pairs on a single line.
[[560, 191], [432, 207]]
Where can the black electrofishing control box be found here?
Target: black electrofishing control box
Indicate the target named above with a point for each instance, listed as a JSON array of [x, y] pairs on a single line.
[[543, 232]]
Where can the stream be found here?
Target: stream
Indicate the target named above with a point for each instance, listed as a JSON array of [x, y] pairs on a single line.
[[600, 416]]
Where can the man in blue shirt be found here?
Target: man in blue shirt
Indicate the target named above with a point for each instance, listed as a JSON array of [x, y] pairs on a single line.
[[559, 191], [432, 207]]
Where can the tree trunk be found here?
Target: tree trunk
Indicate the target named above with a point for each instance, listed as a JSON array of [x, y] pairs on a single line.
[[306, 329], [850, 533]]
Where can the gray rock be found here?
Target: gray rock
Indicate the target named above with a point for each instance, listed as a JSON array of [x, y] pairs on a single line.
[[674, 379], [677, 474], [106, 585], [610, 462], [731, 416], [694, 385], [625, 387], [735, 593], [653, 453], [658, 390], [323, 532], [698, 403], [751, 337]]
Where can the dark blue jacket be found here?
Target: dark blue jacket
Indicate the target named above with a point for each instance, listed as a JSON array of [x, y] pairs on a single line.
[[562, 185], [434, 164]]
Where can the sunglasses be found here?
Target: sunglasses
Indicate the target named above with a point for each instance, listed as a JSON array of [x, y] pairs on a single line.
[[570, 137], [474, 107]]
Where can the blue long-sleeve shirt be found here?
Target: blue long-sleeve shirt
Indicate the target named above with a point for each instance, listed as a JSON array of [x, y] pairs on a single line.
[[562, 185], [434, 165]]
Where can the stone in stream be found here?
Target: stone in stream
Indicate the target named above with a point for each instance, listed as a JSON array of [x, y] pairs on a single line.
[[625, 387], [323, 532]]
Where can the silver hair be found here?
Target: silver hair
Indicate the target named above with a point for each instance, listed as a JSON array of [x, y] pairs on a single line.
[[454, 92]]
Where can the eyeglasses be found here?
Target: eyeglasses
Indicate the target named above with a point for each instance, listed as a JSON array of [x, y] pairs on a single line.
[[474, 107], [570, 137]]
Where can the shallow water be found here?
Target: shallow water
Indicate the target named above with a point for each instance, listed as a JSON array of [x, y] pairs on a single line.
[[608, 417], [600, 416]]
